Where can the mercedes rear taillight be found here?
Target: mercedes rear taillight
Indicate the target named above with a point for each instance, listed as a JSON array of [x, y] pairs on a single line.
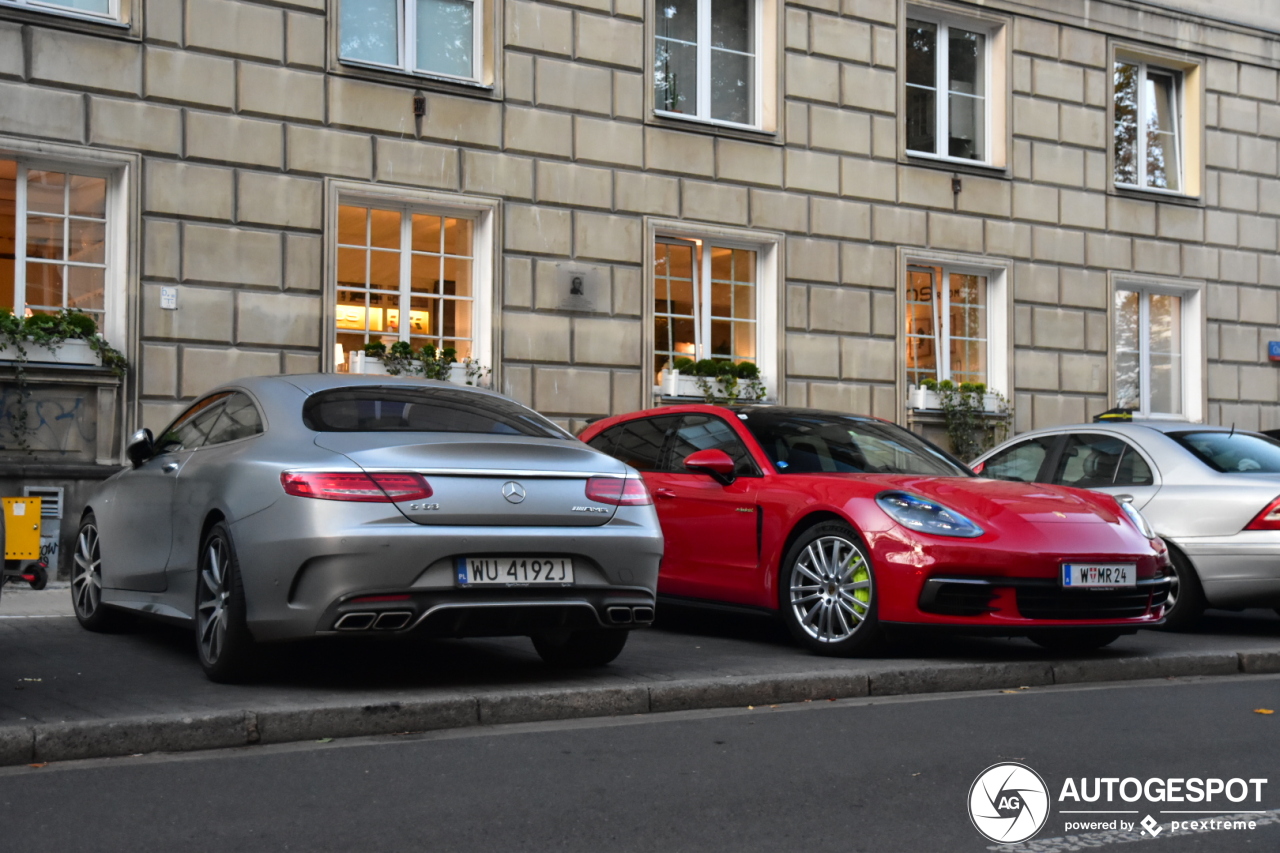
[[617, 491], [356, 486]]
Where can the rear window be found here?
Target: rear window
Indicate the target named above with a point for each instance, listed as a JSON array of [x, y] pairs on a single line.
[[1233, 453], [378, 409]]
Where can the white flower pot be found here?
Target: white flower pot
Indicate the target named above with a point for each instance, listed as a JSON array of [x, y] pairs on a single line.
[[72, 351], [358, 362], [679, 385], [922, 399]]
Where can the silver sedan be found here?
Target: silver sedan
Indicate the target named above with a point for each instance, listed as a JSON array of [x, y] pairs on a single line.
[[1212, 493], [279, 508]]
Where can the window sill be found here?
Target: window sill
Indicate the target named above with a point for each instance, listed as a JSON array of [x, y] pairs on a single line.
[[1152, 194], [410, 79], [968, 167], [71, 20], [675, 121]]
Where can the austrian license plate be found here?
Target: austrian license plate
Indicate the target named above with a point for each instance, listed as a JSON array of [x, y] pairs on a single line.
[[517, 571], [1098, 575]]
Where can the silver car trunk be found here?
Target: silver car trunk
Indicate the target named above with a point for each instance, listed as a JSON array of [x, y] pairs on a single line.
[[488, 480]]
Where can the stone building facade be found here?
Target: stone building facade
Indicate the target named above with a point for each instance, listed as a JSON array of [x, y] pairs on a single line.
[[854, 194]]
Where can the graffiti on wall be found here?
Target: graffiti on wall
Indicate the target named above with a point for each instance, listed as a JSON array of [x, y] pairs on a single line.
[[60, 423]]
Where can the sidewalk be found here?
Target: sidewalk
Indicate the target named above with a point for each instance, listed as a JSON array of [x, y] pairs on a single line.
[[66, 693]]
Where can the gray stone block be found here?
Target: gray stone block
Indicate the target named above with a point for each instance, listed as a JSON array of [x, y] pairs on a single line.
[[1265, 661], [17, 745], [945, 678], [743, 690], [1102, 668], [104, 738], [526, 706], [286, 725]]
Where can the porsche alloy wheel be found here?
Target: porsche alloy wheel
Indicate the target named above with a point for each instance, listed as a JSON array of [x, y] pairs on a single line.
[[829, 591], [222, 638]]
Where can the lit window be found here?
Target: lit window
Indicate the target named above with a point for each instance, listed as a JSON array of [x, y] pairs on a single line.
[[54, 251], [948, 325], [704, 302], [707, 60], [1148, 127], [405, 275], [947, 85], [436, 37], [1151, 351]]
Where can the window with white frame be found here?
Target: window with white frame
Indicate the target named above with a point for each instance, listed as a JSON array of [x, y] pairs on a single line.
[[708, 60], [105, 9], [412, 274], [714, 298], [1148, 128], [437, 37], [956, 323], [1156, 347], [56, 250], [949, 88]]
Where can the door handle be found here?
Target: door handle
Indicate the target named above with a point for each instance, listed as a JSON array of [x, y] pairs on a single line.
[[169, 467], [666, 494]]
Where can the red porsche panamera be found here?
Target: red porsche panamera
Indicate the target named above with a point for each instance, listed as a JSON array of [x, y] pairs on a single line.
[[845, 524]]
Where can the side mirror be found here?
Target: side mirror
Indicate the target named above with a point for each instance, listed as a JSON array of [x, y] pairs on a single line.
[[140, 448], [717, 463]]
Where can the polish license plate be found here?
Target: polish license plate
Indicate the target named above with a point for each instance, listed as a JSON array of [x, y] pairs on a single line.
[[514, 571], [1099, 575]]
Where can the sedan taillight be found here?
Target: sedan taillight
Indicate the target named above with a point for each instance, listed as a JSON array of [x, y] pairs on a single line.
[[355, 486], [1268, 519], [617, 491]]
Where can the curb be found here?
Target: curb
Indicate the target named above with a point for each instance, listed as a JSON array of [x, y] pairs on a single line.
[[45, 742]]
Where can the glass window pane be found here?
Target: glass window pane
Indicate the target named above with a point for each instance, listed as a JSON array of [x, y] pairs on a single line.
[[1089, 461], [44, 285], [45, 191], [922, 54], [351, 225], [1128, 363], [99, 7], [731, 25], [86, 288], [446, 37], [1125, 132], [731, 86], [966, 62], [88, 244], [967, 131], [8, 230], [44, 237], [922, 354], [457, 237], [1161, 127], [426, 233], [1166, 383], [368, 31], [457, 277], [384, 270], [1020, 463], [384, 230], [88, 196], [1166, 323], [678, 20], [424, 314], [351, 267], [425, 277], [922, 118], [675, 76], [456, 319], [352, 310]]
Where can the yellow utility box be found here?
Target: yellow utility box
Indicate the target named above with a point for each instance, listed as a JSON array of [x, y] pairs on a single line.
[[21, 528]]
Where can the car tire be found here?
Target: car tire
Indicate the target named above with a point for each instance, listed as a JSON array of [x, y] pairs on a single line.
[[1074, 640], [223, 642], [574, 649], [827, 593], [1186, 595], [86, 581]]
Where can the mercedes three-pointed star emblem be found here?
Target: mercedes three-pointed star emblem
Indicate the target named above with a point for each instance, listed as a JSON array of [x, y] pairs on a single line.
[[513, 491]]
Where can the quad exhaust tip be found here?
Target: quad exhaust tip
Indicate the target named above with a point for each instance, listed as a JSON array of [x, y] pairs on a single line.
[[390, 620], [629, 615], [356, 621], [393, 620]]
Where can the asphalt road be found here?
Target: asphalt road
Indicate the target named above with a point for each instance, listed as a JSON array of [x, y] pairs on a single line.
[[883, 774]]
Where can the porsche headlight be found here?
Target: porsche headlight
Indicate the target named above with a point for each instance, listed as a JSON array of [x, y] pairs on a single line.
[[1139, 520], [926, 516]]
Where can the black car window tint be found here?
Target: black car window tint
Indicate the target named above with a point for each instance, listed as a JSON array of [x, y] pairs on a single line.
[[605, 441], [819, 442], [1233, 452], [639, 442], [381, 409], [1020, 463], [1089, 461], [707, 432], [189, 430], [1133, 470], [239, 419]]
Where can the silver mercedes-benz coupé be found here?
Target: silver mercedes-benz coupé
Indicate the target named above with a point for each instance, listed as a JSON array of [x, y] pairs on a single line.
[[279, 508]]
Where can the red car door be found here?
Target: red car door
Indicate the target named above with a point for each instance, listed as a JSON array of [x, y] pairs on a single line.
[[711, 529]]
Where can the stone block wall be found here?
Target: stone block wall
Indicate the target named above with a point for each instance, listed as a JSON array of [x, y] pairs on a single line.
[[240, 113]]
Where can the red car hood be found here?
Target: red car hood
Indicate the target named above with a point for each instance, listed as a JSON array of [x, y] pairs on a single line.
[[1000, 502]]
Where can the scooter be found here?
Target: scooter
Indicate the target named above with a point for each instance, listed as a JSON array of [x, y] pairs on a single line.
[[33, 572]]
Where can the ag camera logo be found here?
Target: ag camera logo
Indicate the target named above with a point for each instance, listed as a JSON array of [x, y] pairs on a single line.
[[1008, 803]]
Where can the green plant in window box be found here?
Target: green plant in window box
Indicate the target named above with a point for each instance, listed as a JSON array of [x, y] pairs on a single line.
[[49, 332], [375, 349], [722, 381], [971, 428]]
